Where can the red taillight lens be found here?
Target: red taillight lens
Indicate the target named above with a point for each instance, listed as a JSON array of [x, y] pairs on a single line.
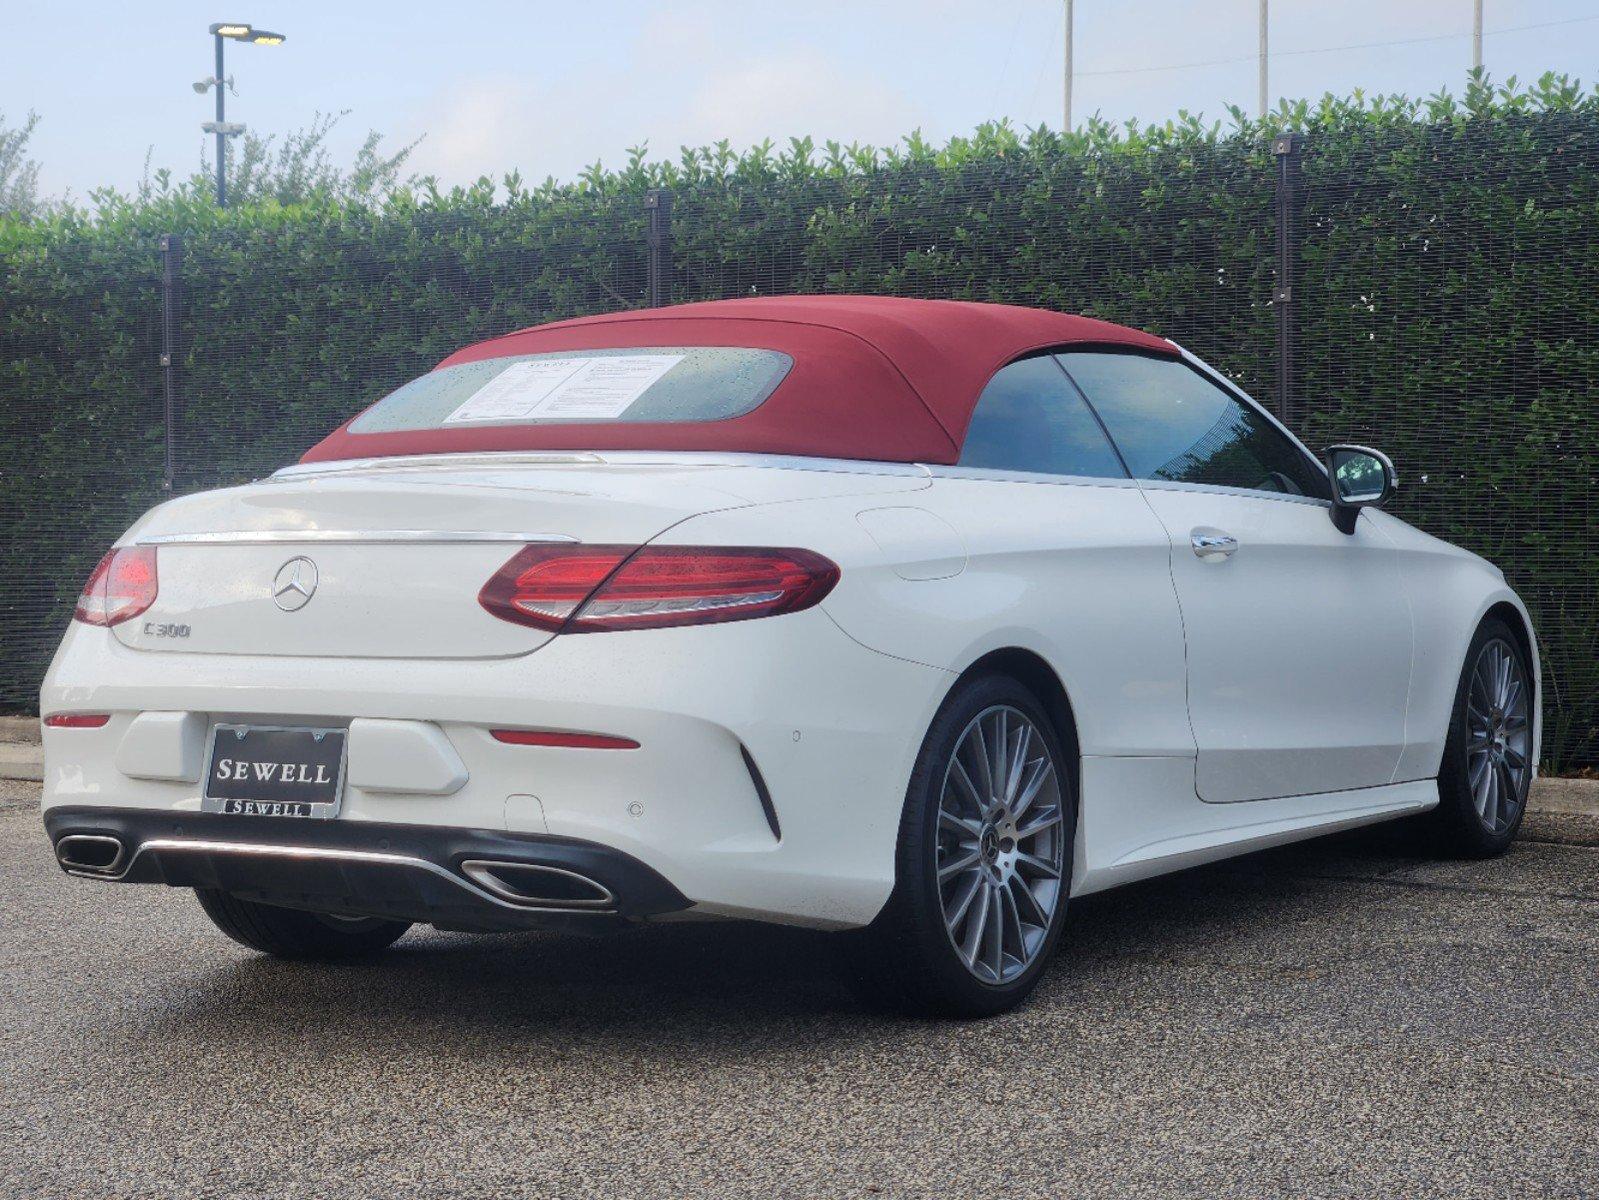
[[121, 586], [693, 585], [587, 589], [543, 586], [77, 720]]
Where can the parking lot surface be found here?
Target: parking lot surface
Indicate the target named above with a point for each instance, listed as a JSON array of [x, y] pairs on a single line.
[[1342, 1018]]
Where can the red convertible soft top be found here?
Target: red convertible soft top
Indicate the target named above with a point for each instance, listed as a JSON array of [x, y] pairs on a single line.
[[874, 377]]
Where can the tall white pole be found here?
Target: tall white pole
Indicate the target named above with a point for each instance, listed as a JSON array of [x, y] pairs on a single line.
[[1476, 34], [1067, 126], [1263, 56]]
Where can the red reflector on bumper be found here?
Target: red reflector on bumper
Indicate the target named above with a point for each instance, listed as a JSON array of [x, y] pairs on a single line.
[[572, 741], [77, 720]]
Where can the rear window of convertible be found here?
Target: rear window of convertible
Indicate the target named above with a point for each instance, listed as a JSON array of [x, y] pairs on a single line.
[[658, 383]]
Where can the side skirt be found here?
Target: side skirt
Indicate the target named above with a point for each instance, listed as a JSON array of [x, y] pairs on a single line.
[[1139, 818]]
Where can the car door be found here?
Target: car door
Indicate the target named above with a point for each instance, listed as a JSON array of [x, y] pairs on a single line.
[[1299, 636]]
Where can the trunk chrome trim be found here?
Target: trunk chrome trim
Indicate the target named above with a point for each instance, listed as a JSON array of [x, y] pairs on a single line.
[[262, 537]]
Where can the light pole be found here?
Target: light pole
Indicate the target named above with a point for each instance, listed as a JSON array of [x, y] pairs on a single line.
[[237, 31], [1066, 125], [1264, 57]]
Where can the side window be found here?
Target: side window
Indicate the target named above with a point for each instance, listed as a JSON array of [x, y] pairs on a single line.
[[1170, 422], [1030, 418]]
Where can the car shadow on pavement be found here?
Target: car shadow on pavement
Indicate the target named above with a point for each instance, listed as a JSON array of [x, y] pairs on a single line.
[[688, 984]]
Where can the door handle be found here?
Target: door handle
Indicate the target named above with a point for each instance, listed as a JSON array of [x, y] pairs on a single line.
[[1213, 543]]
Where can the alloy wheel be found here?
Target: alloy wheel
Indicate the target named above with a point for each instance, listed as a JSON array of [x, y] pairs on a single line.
[[1001, 844], [1499, 736]]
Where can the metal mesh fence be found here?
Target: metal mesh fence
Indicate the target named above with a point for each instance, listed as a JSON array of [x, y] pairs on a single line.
[[1449, 316], [81, 426], [1437, 306]]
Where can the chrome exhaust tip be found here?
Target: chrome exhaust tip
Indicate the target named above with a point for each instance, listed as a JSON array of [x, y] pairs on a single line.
[[90, 853], [537, 886]]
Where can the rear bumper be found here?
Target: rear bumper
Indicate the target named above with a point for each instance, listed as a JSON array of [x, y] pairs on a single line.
[[831, 727], [440, 876]]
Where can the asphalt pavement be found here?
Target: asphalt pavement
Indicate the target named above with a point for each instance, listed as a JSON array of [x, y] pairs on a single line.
[[1342, 1018]]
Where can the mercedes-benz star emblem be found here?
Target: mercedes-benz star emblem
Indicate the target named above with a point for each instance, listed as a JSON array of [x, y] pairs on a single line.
[[294, 584]]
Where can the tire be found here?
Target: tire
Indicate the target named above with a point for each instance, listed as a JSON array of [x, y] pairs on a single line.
[[295, 934], [1477, 817], [908, 959]]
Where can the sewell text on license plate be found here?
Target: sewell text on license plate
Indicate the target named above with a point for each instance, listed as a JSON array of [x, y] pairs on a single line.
[[270, 771]]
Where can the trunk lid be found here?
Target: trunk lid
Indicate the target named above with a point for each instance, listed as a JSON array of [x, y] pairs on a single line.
[[386, 559]]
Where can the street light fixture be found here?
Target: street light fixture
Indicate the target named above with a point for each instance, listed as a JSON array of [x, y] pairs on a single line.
[[237, 31]]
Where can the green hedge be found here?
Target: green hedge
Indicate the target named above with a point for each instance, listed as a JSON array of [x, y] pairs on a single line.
[[1444, 309]]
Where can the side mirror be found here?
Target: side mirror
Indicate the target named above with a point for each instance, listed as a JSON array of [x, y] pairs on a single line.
[[1361, 477]]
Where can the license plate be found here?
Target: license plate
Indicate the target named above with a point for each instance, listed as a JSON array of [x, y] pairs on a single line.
[[266, 771]]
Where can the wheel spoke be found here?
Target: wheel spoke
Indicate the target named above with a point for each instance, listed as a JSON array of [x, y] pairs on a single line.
[[1038, 866], [1047, 818], [994, 935], [1511, 794], [977, 922], [1482, 687], [963, 826], [1043, 772], [1017, 766], [962, 901], [985, 781], [1478, 763], [1035, 914], [1000, 749], [1512, 696], [1011, 925], [963, 783], [959, 865], [1480, 772]]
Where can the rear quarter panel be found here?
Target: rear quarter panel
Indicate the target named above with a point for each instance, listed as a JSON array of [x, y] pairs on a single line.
[[1076, 573]]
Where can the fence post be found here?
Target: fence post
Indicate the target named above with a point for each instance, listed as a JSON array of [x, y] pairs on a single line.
[[1285, 149], [658, 202], [171, 263]]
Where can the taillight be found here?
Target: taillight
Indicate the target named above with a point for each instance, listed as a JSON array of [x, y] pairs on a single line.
[[121, 586], [587, 589], [543, 586]]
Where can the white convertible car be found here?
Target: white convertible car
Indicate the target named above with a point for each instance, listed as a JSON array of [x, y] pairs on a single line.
[[908, 619]]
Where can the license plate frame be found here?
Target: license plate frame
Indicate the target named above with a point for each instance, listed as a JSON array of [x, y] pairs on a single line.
[[255, 796]]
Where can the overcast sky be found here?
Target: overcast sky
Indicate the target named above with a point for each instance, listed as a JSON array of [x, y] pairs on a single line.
[[547, 87]]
